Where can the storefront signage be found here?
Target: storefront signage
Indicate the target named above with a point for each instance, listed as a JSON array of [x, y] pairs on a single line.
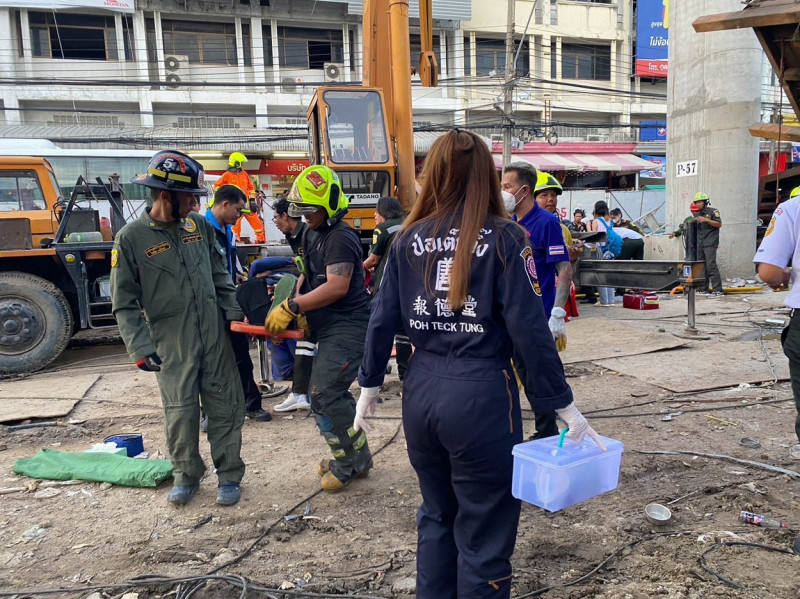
[[652, 38]]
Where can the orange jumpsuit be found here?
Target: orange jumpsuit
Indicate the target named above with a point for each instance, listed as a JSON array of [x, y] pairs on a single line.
[[255, 222], [241, 180]]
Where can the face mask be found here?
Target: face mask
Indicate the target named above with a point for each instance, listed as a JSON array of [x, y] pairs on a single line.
[[510, 200]]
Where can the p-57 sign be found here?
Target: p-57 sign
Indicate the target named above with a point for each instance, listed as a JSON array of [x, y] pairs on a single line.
[[686, 169]]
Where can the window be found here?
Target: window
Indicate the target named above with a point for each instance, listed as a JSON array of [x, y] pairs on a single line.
[[491, 56], [266, 36], [416, 48], [78, 37], [356, 132], [89, 120], [205, 43], [20, 190], [205, 122], [579, 61], [309, 48]]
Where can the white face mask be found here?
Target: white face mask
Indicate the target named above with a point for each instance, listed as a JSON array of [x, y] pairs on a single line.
[[510, 200]]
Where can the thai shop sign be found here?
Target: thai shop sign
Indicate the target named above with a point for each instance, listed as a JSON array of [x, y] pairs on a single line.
[[652, 38], [659, 170], [115, 5]]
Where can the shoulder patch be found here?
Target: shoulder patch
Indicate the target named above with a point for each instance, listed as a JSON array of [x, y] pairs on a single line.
[[530, 269], [115, 257], [155, 250], [716, 213], [189, 225], [771, 227], [194, 238]]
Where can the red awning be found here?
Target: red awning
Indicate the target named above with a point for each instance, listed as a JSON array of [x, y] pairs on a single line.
[[623, 163]]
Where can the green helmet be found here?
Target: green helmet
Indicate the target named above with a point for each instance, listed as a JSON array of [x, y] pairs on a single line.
[[316, 187], [795, 192], [237, 160], [546, 181], [701, 197]]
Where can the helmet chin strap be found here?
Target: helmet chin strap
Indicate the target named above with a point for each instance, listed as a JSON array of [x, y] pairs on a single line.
[[175, 205], [337, 216]]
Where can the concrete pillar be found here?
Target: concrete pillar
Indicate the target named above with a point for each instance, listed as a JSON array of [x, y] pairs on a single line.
[[457, 62], [162, 73], [257, 51], [237, 24], [120, 35], [146, 108], [714, 95], [276, 57], [8, 56], [11, 110], [346, 51], [27, 50], [140, 45]]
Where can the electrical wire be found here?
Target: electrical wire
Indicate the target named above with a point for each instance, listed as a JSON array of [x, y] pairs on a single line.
[[715, 546]]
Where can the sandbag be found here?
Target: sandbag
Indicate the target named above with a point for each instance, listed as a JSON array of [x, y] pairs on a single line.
[[97, 467]]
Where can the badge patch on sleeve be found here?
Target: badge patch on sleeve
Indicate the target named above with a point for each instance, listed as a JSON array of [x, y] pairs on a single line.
[[530, 269], [189, 225], [157, 249], [771, 227], [194, 238], [114, 257], [555, 250]]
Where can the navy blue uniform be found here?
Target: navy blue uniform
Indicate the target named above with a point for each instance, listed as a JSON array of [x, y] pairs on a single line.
[[461, 412]]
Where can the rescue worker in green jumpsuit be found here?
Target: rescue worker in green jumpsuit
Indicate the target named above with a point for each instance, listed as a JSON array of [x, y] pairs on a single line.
[[336, 306], [169, 264]]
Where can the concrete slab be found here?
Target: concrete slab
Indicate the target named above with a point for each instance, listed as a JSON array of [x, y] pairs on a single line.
[[590, 339], [12, 410], [61, 386], [707, 366]]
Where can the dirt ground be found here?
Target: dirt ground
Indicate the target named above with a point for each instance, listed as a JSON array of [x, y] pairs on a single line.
[[362, 541]]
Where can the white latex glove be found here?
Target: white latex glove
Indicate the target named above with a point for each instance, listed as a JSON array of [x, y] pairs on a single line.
[[578, 426], [558, 327], [365, 407]]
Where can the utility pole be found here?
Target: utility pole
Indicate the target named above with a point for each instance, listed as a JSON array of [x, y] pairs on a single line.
[[508, 88]]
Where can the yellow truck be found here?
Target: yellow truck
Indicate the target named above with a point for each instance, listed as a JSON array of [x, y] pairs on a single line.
[[54, 261]]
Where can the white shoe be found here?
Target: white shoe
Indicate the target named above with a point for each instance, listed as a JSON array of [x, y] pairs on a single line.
[[294, 401]]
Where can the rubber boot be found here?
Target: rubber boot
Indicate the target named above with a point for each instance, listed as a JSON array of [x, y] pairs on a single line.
[[182, 494]]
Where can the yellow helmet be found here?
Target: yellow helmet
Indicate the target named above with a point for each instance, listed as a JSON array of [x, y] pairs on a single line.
[[316, 187], [701, 197], [237, 160], [547, 181], [795, 193]]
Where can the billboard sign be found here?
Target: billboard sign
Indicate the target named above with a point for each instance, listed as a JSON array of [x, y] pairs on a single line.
[[659, 170], [115, 5], [652, 38], [652, 131]]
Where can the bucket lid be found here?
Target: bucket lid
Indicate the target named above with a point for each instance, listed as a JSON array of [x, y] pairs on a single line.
[[547, 450]]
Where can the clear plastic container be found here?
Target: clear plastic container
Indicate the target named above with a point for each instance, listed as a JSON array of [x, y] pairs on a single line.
[[554, 478], [84, 237]]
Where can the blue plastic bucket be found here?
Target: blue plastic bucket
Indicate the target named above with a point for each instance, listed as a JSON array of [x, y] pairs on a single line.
[[133, 444]]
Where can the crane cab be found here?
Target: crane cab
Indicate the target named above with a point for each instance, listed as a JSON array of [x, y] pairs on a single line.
[[348, 132]]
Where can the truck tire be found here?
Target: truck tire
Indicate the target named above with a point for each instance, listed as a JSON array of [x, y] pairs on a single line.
[[35, 322]]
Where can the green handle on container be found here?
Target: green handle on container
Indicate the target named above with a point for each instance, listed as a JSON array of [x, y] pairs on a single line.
[[561, 438]]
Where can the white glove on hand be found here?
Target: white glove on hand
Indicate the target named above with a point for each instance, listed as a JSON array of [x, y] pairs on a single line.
[[558, 328], [578, 426], [366, 407]]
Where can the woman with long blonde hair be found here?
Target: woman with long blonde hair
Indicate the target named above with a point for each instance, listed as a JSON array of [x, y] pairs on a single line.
[[461, 280]]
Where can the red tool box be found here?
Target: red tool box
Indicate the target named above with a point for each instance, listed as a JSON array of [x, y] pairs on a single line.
[[640, 300]]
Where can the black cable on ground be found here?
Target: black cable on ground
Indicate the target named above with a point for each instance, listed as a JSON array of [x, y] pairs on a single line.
[[196, 582], [728, 581]]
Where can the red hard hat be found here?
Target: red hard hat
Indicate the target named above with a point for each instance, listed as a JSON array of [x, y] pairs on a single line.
[[694, 207]]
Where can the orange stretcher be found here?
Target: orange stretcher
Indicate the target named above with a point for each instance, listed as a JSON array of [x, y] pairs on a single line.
[[259, 331]]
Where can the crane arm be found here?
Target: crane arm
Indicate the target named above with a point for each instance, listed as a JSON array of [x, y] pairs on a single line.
[[428, 66]]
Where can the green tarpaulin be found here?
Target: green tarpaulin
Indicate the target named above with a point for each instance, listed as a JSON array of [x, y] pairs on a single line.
[[98, 467]]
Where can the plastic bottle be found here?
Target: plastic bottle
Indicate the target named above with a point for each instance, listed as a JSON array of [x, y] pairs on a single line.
[[759, 520], [81, 237]]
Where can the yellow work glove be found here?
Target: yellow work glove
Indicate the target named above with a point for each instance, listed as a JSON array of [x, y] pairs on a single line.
[[279, 319], [303, 323]]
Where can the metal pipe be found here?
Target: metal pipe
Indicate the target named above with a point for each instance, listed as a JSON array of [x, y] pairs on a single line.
[[690, 321]]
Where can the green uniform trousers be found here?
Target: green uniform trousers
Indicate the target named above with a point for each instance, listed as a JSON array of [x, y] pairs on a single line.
[[708, 254], [339, 354], [791, 347]]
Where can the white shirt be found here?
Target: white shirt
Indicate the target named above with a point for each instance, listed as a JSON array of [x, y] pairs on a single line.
[[780, 245], [626, 233]]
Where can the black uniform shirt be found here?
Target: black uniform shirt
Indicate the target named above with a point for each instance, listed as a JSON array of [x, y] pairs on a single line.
[[503, 311], [382, 238], [333, 245]]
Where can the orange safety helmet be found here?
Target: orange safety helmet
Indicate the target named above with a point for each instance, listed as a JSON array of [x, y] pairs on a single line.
[[694, 207]]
